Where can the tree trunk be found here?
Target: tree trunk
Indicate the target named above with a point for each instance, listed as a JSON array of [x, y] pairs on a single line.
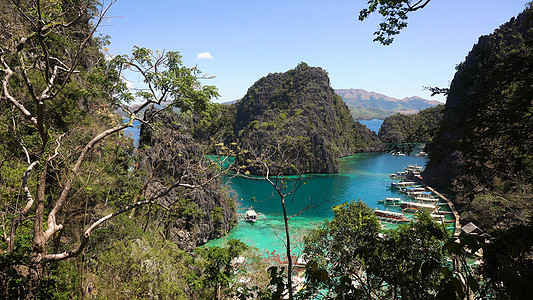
[[289, 257], [35, 275]]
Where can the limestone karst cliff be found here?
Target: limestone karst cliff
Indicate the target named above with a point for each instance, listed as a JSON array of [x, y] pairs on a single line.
[[485, 143], [172, 157], [301, 105]]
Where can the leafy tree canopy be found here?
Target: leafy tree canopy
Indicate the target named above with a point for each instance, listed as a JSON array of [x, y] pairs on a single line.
[[394, 13]]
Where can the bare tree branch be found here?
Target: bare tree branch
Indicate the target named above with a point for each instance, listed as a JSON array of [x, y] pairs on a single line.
[[27, 80], [56, 151], [27, 192], [80, 49], [5, 89], [418, 5], [87, 234], [53, 227]]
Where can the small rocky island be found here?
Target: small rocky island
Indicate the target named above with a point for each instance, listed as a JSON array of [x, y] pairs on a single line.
[[300, 108]]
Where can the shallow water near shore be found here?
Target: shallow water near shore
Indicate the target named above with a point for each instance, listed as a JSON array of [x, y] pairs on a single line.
[[363, 176]]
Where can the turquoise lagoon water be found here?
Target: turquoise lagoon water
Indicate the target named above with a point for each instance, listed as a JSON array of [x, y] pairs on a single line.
[[363, 176]]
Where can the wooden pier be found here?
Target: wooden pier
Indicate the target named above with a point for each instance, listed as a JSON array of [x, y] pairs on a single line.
[[454, 211]]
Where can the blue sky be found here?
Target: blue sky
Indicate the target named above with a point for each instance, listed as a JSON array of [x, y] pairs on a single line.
[[247, 39]]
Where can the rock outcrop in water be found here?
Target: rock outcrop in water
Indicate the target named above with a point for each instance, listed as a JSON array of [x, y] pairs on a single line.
[[171, 154], [300, 106], [484, 149]]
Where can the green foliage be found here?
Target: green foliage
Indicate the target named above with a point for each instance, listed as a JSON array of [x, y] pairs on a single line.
[[217, 215], [334, 249], [136, 263], [60, 95], [14, 281], [217, 267], [143, 268], [508, 264], [349, 256], [395, 14], [402, 133], [415, 128], [172, 81], [216, 125]]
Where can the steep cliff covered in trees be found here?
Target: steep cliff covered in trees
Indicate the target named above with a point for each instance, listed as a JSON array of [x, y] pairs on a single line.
[[484, 148], [419, 127], [171, 156], [300, 108]]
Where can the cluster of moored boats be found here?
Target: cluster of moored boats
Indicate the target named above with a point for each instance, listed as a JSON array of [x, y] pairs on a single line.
[[415, 197]]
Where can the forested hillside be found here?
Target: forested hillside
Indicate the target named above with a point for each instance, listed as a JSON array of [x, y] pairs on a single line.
[[415, 128], [484, 148], [167, 153]]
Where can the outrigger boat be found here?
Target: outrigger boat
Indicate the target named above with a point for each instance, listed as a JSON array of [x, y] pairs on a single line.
[[427, 200], [413, 168], [390, 217], [250, 216], [398, 175], [440, 218], [402, 184], [391, 201], [414, 190], [414, 206], [441, 213]]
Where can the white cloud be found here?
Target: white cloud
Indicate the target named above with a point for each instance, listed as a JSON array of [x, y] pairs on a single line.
[[203, 55], [129, 85]]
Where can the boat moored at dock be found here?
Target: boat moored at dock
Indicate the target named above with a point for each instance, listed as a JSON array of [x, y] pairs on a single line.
[[391, 201], [390, 216], [415, 206], [402, 184]]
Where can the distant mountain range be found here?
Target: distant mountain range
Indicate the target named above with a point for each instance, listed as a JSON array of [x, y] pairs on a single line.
[[365, 105]]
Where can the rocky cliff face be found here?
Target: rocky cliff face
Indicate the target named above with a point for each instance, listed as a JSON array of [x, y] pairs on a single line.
[[300, 105], [173, 158], [485, 141], [489, 101]]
